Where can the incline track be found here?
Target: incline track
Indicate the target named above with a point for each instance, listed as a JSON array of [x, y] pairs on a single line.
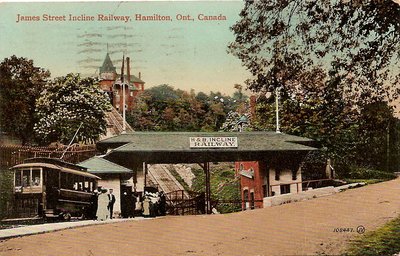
[[161, 175]]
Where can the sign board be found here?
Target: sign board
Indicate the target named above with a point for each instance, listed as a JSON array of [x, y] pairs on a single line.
[[213, 142]]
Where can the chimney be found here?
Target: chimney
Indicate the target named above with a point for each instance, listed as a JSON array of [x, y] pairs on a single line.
[[140, 75], [128, 71]]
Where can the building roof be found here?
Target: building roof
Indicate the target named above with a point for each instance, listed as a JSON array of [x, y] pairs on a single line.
[[99, 165], [135, 79], [174, 147], [55, 164], [243, 119], [107, 65]]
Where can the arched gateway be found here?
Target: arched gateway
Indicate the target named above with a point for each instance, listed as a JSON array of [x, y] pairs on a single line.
[[136, 150]]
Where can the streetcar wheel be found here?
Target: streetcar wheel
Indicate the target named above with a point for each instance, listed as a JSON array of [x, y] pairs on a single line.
[[66, 216]]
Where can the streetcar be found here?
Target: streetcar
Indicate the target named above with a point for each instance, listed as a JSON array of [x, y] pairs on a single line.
[[52, 188]]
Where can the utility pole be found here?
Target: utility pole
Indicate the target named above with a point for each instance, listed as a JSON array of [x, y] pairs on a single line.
[[123, 95], [277, 108]]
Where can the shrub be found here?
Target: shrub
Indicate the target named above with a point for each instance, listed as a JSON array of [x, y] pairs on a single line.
[[369, 173]]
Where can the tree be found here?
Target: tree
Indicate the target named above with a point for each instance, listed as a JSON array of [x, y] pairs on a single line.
[[68, 103], [20, 85], [329, 59], [356, 42], [163, 108]]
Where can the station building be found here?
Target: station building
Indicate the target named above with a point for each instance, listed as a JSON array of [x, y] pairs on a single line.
[[113, 176], [260, 179], [268, 163]]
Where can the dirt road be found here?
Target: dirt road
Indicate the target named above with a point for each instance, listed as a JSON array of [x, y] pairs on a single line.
[[302, 228]]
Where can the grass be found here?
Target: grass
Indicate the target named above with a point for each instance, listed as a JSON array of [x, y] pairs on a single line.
[[178, 178], [224, 185], [383, 241]]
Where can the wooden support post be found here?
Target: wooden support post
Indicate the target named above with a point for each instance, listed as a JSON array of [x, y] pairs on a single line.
[[206, 168], [145, 176], [208, 187]]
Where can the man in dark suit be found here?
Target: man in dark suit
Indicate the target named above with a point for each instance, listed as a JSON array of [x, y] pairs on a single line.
[[111, 201]]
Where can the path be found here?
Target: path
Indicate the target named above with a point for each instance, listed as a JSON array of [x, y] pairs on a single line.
[[302, 228]]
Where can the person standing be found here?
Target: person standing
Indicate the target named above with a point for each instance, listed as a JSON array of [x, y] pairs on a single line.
[[146, 206], [111, 201], [163, 202], [102, 205]]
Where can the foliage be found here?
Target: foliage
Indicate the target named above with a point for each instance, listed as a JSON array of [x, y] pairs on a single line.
[[383, 241], [366, 173], [236, 122], [357, 42], [163, 108], [20, 85], [179, 178], [224, 186], [333, 66], [6, 191], [68, 103]]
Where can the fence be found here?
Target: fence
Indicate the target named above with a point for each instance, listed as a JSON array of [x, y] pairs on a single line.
[[12, 155], [23, 208], [179, 204]]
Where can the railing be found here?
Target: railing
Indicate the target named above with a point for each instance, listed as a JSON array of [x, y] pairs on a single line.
[[309, 183], [12, 155], [179, 204]]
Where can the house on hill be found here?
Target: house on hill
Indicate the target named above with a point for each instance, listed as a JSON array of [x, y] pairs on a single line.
[[110, 82]]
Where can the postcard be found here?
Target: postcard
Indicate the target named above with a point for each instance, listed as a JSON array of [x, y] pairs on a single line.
[[198, 128]]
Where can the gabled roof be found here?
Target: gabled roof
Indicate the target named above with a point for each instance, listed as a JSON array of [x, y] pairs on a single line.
[[107, 65], [99, 165], [134, 79], [173, 147]]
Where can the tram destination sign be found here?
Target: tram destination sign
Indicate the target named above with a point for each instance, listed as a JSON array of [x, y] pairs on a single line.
[[213, 142]]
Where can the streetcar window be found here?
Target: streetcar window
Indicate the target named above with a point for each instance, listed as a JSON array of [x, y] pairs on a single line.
[[64, 180], [81, 183], [18, 178], [35, 177], [77, 183], [26, 178], [70, 181], [80, 187]]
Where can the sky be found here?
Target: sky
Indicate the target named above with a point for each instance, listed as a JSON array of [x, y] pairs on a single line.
[[189, 54]]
